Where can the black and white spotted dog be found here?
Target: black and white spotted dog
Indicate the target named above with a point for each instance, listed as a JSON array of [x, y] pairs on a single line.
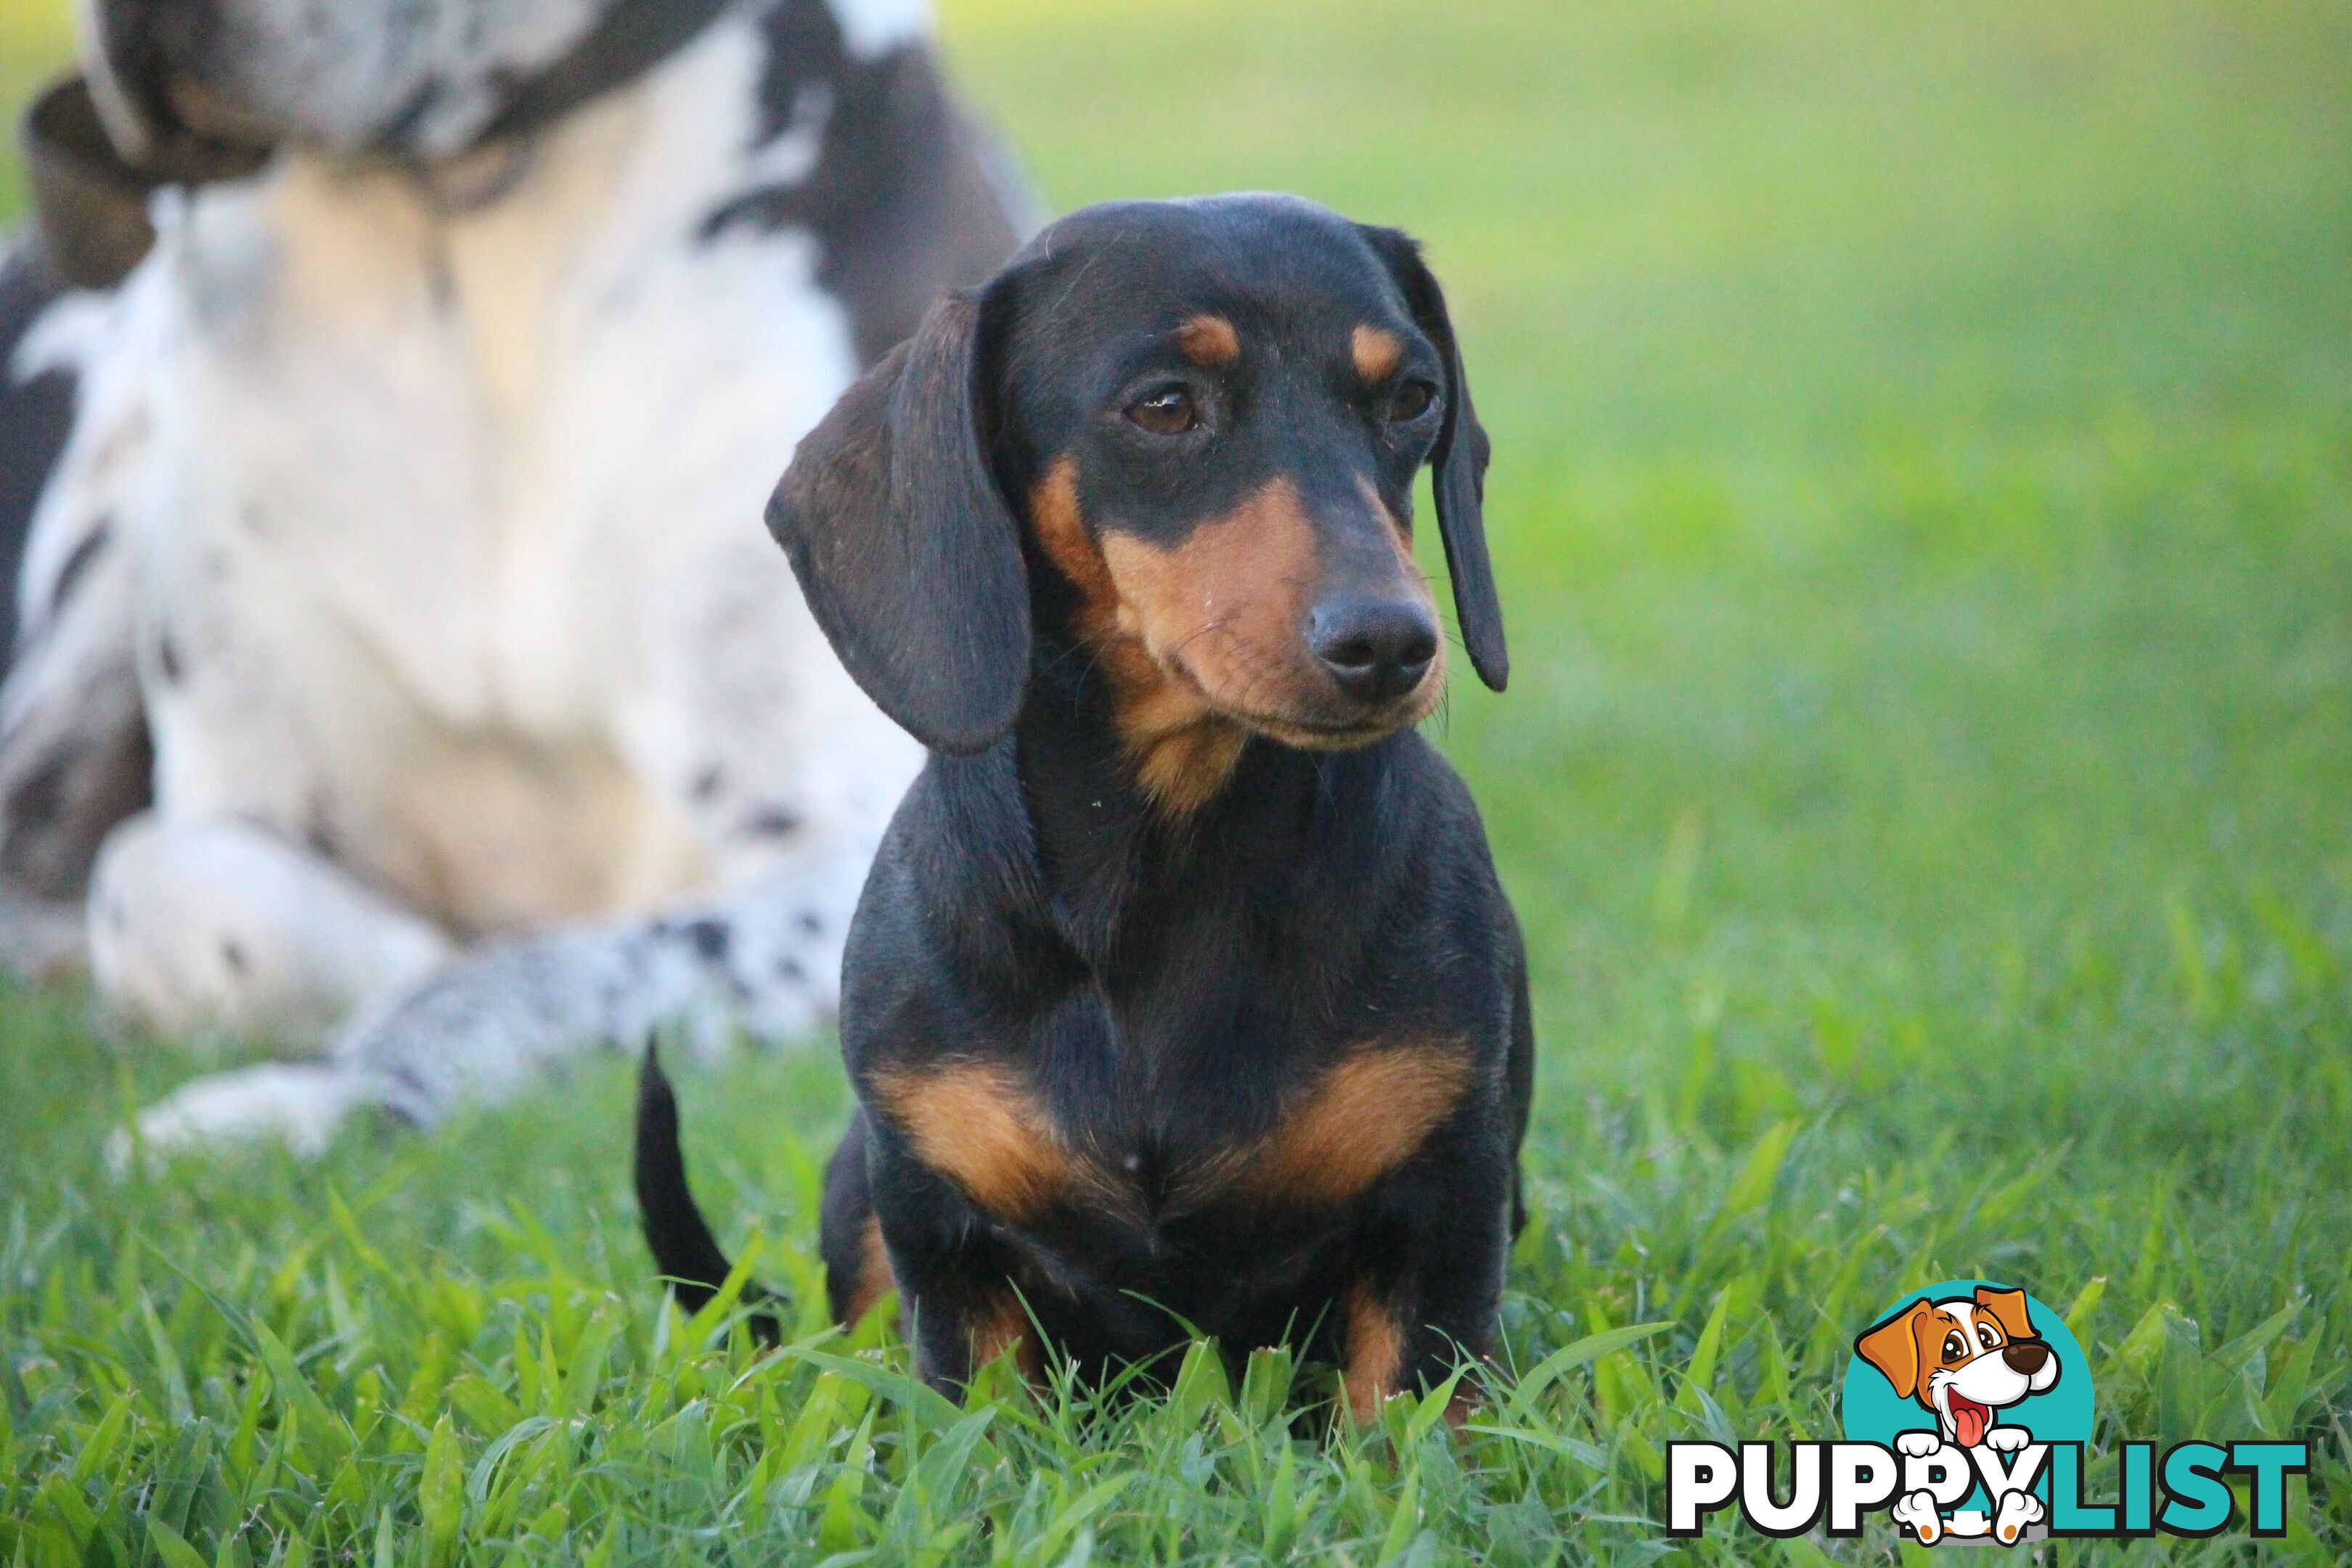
[[392, 393]]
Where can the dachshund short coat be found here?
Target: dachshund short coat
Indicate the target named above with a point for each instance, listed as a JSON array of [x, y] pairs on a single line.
[[1183, 996]]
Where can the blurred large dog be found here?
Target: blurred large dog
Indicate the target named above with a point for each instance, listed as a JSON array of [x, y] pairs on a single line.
[[392, 393]]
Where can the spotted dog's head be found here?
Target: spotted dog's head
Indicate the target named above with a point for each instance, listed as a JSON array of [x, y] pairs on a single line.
[[1964, 1358], [1182, 436], [420, 78]]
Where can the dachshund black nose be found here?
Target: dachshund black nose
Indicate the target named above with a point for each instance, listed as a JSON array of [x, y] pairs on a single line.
[[2025, 1356], [1376, 649]]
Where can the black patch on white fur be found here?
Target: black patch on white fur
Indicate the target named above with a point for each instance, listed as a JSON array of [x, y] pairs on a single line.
[[64, 792], [710, 939], [61, 811], [899, 201], [772, 822], [319, 826], [36, 415], [93, 545]]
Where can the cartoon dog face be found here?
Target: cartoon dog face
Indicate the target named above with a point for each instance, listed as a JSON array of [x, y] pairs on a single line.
[[1963, 1358]]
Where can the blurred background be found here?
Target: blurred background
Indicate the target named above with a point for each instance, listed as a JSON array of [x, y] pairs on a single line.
[[1923, 491], [1923, 499], [1922, 488]]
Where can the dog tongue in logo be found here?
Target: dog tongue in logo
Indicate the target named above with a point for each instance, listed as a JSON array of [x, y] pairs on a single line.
[[1969, 1420]]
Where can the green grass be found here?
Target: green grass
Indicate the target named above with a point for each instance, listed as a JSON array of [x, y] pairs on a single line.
[[1925, 504]]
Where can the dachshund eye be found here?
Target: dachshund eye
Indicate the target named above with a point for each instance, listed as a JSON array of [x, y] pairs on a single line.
[[1955, 1347], [1411, 401], [1985, 1337], [1164, 411]]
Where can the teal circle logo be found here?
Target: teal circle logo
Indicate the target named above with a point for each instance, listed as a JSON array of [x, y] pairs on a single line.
[[1968, 1368]]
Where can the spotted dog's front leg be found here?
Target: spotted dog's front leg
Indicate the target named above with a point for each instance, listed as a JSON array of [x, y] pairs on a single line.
[[787, 774], [476, 1031], [764, 963], [732, 712]]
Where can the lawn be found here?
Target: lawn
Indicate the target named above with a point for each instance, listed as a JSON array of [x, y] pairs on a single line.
[[1923, 504]]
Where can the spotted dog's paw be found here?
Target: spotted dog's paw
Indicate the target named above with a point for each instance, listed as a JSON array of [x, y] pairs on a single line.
[[2007, 1439], [2017, 1510], [299, 1105], [1918, 1445], [1918, 1511]]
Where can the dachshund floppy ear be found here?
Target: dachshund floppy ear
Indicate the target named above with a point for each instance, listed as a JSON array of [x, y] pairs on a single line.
[[1892, 1347], [904, 545], [1459, 460]]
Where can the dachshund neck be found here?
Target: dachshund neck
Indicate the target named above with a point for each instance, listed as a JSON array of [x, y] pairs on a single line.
[[1111, 852]]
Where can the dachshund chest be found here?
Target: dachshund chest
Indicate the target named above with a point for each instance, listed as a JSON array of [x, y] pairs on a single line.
[[1025, 1160]]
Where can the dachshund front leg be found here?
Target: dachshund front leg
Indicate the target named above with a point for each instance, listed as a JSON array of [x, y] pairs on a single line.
[[1429, 1281], [956, 1283]]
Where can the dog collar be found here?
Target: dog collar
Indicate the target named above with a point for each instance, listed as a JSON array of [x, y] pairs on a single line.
[[89, 201], [635, 37]]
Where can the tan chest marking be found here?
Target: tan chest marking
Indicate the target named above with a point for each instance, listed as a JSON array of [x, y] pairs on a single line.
[[978, 1124], [1367, 1116]]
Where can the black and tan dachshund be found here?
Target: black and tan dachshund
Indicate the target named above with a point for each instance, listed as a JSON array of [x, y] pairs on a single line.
[[1184, 991]]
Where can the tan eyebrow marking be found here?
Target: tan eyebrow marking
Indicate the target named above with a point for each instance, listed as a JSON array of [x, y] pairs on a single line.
[[1209, 340], [1376, 351]]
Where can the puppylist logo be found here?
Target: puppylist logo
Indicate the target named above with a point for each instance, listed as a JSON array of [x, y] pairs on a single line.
[[1967, 1410]]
